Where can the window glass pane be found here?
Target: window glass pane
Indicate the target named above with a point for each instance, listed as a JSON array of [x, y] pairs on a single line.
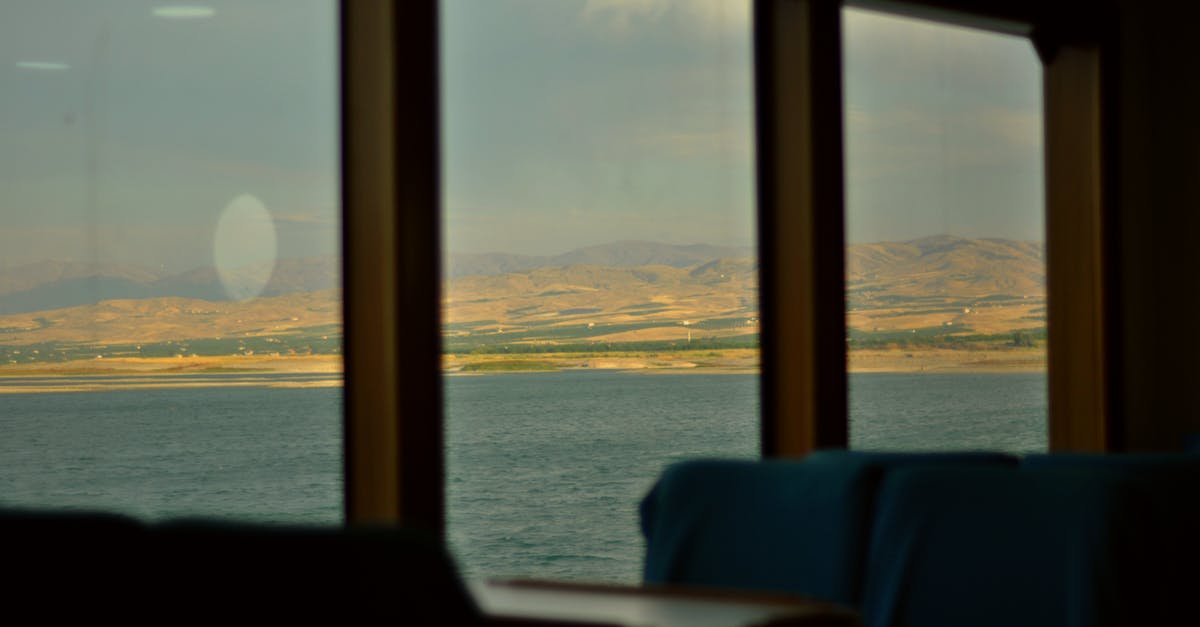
[[945, 261], [600, 316], [170, 326]]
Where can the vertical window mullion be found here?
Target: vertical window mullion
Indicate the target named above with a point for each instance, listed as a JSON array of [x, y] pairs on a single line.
[[393, 455], [800, 188], [1075, 249]]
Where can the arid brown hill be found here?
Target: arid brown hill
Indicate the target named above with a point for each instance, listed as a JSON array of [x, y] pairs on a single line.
[[954, 284], [629, 254], [585, 293], [947, 266]]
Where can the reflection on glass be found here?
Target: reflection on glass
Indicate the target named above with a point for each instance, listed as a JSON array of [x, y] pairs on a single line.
[[945, 262], [600, 317], [170, 326]]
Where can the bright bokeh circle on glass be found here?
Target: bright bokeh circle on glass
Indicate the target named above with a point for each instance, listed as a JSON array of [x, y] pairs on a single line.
[[244, 247]]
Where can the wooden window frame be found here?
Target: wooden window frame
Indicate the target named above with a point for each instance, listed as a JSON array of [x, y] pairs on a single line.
[[1083, 302], [390, 156], [393, 459], [798, 94], [801, 212]]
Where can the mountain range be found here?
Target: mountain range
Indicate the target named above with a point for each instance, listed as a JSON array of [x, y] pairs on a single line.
[[946, 266], [50, 285], [625, 291], [627, 254], [937, 265]]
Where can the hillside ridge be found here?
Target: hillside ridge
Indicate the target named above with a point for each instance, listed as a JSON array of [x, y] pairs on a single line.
[[935, 287]]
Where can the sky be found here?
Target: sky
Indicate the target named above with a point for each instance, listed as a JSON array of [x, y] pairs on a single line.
[[135, 135], [152, 128], [943, 131]]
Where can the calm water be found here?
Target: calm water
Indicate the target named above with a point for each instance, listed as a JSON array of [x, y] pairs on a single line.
[[544, 470], [601, 439], [254, 453], [1000, 412]]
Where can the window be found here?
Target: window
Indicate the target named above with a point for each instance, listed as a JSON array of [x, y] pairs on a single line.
[[600, 314], [393, 425], [945, 257], [170, 309], [800, 185]]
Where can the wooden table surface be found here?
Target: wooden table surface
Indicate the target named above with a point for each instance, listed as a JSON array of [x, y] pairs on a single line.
[[544, 602]]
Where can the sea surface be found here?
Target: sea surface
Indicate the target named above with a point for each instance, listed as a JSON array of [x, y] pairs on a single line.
[[544, 470], [252, 452]]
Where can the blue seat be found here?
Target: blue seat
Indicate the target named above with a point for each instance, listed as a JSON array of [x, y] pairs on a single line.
[[797, 527], [74, 567], [988, 547], [1117, 462], [272, 572], [64, 564], [1167, 489]]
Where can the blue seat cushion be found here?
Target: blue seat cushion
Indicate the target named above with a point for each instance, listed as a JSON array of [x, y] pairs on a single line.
[[798, 527], [1167, 488], [991, 547]]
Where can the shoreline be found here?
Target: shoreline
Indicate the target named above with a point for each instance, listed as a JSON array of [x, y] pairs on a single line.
[[947, 361], [167, 366], [736, 361], [133, 373], [240, 371], [163, 385]]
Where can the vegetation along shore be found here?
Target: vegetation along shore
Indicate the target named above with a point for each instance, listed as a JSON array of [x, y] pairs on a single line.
[[936, 304]]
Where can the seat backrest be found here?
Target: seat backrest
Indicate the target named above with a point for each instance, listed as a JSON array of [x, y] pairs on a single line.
[[1167, 488], [990, 547], [68, 566], [797, 527], [65, 565], [264, 571], [1135, 463]]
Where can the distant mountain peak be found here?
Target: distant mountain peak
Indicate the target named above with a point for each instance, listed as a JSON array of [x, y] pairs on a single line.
[[58, 284], [620, 254], [947, 264]]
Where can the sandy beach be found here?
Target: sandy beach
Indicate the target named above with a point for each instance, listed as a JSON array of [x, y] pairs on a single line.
[[147, 373], [679, 362], [922, 360], [939, 360], [179, 365], [152, 373]]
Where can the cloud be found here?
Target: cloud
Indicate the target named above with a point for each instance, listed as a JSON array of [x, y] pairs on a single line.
[[915, 142], [920, 61], [1017, 128], [175, 248], [924, 43], [621, 15], [722, 143], [703, 17], [570, 227], [316, 218]]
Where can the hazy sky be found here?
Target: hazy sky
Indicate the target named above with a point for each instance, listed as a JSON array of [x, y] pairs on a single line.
[[572, 123], [566, 123], [129, 145], [943, 131]]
